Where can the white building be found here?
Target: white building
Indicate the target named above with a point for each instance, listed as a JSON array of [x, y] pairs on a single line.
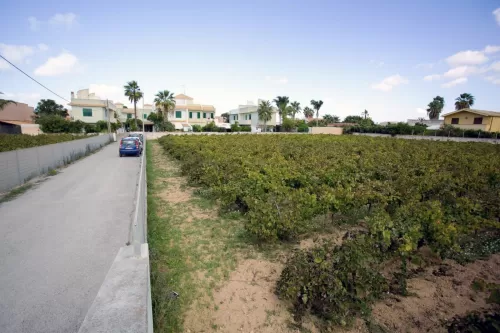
[[247, 115], [89, 108], [187, 113]]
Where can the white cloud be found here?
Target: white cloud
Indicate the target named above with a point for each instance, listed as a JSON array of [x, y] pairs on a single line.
[[34, 23], [461, 71], [491, 49], [113, 93], [467, 58], [432, 77], [420, 110], [496, 12], [65, 63], [455, 82], [277, 80], [31, 99], [495, 66], [493, 79], [17, 54], [390, 82], [67, 19], [43, 47]]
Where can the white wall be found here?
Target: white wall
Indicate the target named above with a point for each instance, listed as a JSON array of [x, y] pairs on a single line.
[[97, 114]]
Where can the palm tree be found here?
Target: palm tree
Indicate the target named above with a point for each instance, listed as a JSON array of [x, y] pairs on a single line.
[[295, 108], [464, 101], [365, 114], [316, 105], [329, 119], [281, 103], [134, 94], [5, 102], [265, 111], [435, 107], [165, 102], [308, 112]]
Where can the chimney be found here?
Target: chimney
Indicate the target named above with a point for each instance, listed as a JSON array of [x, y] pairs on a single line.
[[72, 95]]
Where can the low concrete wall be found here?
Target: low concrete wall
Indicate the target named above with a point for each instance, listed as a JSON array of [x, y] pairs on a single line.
[[156, 135], [431, 138], [327, 130], [19, 166]]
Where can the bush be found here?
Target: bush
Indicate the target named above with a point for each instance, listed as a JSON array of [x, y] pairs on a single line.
[[302, 127], [10, 142], [245, 129], [168, 126], [210, 127], [288, 125], [196, 128], [235, 127], [90, 128], [337, 283], [101, 126]]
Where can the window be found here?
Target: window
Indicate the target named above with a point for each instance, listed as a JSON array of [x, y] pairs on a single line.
[[190, 115], [478, 121], [178, 114], [145, 116], [250, 117], [87, 112], [129, 115], [454, 121], [212, 115], [199, 115], [204, 115]]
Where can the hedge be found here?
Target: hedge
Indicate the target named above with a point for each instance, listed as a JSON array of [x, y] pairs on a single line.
[[10, 142]]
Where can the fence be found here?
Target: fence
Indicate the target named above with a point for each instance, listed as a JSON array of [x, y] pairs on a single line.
[[19, 166]]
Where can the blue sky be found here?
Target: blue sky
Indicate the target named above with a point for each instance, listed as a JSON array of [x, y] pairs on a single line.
[[390, 58]]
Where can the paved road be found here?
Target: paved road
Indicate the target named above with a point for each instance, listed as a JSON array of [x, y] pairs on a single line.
[[58, 241]]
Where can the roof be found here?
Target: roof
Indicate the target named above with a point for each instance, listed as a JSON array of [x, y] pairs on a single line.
[[86, 104], [182, 96], [481, 112], [195, 107], [16, 122]]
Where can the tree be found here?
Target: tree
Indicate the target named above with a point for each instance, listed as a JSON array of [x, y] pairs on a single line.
[[353, 119], [134, 94], [48, 107], [329, 119], [317, 105], [365, 114], [265, 111], [165, 102], [308, 112], [464, 101], [281, 103], [435, 107], [225, 116], [295, 109]]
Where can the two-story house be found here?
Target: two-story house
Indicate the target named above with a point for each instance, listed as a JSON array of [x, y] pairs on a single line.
[[90, 108], [247, 115], [187, 113]]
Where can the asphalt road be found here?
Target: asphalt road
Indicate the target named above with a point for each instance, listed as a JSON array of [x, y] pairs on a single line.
[[58, 241]]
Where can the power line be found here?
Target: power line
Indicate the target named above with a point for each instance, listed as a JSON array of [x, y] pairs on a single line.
[[19, 69]]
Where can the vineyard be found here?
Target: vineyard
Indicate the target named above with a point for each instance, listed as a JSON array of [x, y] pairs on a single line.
[[20, 141], [397, 195]]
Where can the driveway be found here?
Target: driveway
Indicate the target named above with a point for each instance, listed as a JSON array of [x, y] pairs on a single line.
[[58, 241]]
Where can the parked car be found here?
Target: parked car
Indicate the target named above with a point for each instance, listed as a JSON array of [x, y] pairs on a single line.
[[137, 135], [130, 146]]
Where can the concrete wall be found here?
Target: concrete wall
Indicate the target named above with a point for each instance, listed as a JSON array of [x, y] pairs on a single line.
[[19, 166], [326, 130], [432, 138]]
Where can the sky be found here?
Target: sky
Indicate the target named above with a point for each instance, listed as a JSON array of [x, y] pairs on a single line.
[[388, 57]]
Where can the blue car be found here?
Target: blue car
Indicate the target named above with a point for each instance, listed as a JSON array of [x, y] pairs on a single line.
[[130, 146]]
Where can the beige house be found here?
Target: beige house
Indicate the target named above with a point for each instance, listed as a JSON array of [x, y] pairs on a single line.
[[187, 113], [89, 108], [488, 121], [18, 119]]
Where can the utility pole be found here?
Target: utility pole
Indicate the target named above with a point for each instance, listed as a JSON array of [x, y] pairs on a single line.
[[142, 114], [108, 113]]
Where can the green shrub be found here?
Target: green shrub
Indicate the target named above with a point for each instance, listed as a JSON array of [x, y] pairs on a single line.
[[303, 128], [90, 128], [168, 126], [235, 127], [245, 129], [20, 141], [196, 128], [288, 124], [337, 283], [210, 127]]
